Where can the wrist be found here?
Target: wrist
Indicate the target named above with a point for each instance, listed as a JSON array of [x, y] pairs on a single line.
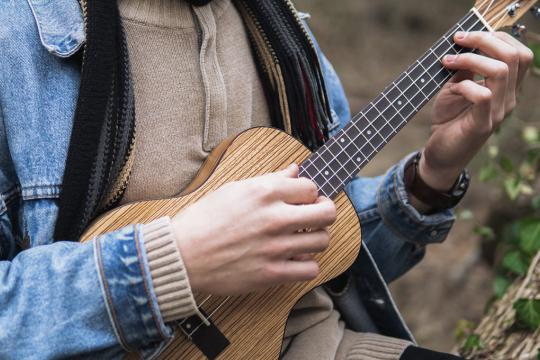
[[437, 195], [437, 178]]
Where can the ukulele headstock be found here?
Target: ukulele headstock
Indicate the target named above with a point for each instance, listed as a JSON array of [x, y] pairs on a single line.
[[501, 14]]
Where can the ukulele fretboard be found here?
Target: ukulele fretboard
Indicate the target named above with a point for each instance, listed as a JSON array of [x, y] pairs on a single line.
[[344, 155]]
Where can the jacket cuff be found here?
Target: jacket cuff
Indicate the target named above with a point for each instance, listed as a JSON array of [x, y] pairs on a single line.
[[127, 290], [400, 216], [169, 276]]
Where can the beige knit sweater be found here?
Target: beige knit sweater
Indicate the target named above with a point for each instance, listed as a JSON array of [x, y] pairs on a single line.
[[196, 84]]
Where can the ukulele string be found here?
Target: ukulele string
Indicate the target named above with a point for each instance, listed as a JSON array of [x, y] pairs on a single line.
[[370, 123], [501, 17], [210, 316], [488, 8], [199, 306]]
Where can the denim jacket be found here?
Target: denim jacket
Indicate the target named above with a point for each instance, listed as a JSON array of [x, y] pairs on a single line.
[[68, 299]]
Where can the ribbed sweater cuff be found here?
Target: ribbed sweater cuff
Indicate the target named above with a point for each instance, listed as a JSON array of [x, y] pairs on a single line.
[[377, 347], [169, 275]]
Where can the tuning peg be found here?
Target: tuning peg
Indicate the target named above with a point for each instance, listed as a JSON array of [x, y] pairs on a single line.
[[536, 12], [512, 9], [519, 30]]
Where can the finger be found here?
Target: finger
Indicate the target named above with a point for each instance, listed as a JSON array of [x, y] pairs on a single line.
[[460, 76], [295, 191], [493, 46], [480, 97], [290, 171], [526, 56], [289, 246], [496, 74], [303, 257], [314, 216], [298, 270]]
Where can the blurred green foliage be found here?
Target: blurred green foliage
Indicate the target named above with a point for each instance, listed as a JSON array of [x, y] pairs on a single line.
[[517, 239]]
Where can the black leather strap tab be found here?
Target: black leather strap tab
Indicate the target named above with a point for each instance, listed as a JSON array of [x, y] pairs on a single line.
[[208, 338]]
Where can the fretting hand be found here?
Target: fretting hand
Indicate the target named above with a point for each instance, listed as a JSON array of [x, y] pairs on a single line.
[[467, 112]]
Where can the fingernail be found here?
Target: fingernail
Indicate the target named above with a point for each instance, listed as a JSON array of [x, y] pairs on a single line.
[[450, 58], [460, 35]]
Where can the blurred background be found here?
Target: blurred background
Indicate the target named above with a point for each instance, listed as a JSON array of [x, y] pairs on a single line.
[[369, 44]]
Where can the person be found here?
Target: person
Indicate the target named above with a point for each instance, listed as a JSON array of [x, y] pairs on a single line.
[[74, 78]]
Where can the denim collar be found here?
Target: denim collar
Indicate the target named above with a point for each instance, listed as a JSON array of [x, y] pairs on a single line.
[[60, 24]]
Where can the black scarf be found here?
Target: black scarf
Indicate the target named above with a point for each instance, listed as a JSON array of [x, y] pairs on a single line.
[[100, 149]]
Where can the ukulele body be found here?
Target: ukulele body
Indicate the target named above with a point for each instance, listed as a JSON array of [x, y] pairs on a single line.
[[254, 323]]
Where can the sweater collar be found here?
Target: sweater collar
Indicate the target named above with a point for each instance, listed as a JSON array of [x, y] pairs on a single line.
[[166, 13]]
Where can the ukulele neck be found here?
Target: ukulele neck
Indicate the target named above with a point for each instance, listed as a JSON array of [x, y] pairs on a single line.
[[345, 154]]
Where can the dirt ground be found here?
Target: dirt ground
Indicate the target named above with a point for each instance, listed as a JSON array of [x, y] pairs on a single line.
[[370, 43]]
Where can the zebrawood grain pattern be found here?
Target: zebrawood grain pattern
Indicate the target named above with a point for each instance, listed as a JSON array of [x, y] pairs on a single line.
[[254, 323]]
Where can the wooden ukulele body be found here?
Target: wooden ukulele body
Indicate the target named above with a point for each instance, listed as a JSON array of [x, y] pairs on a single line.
[[254, 323]]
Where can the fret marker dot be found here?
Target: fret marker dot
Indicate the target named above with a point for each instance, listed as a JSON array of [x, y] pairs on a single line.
[[326, 173], [342, 140], [399, 103], [369, 132], [359, 159], [422, 81]]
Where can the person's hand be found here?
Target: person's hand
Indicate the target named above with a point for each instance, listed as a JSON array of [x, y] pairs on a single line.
[[467, 112], [245, 235]]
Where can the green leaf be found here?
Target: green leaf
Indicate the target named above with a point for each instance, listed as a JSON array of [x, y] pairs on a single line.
[[516, 262], [500, 286], [466, 214], [535, 202], [536, 50], [533, 155], [485, 231], [529, 236], [512, 187], [528, 313], [506, 164], [538, 355], [463, 328], [473, 342], [488, 173]]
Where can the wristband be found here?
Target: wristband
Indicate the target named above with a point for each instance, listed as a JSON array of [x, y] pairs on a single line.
[[435, 199]]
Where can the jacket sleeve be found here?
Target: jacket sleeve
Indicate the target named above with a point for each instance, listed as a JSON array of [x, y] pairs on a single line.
[[393, 230], [69, 299], [63, 299]]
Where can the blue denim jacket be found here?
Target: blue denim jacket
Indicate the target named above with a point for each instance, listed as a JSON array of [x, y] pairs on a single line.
[[68, 299]]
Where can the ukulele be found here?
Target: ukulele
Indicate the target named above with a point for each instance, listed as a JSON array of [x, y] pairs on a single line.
[[253, 325]]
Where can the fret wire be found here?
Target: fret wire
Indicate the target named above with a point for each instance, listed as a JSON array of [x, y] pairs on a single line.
[[328, 166], [376, 150], [397, 112], [385, 139], [414, 82], [426, 71], [343, 166], [370, 124]]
